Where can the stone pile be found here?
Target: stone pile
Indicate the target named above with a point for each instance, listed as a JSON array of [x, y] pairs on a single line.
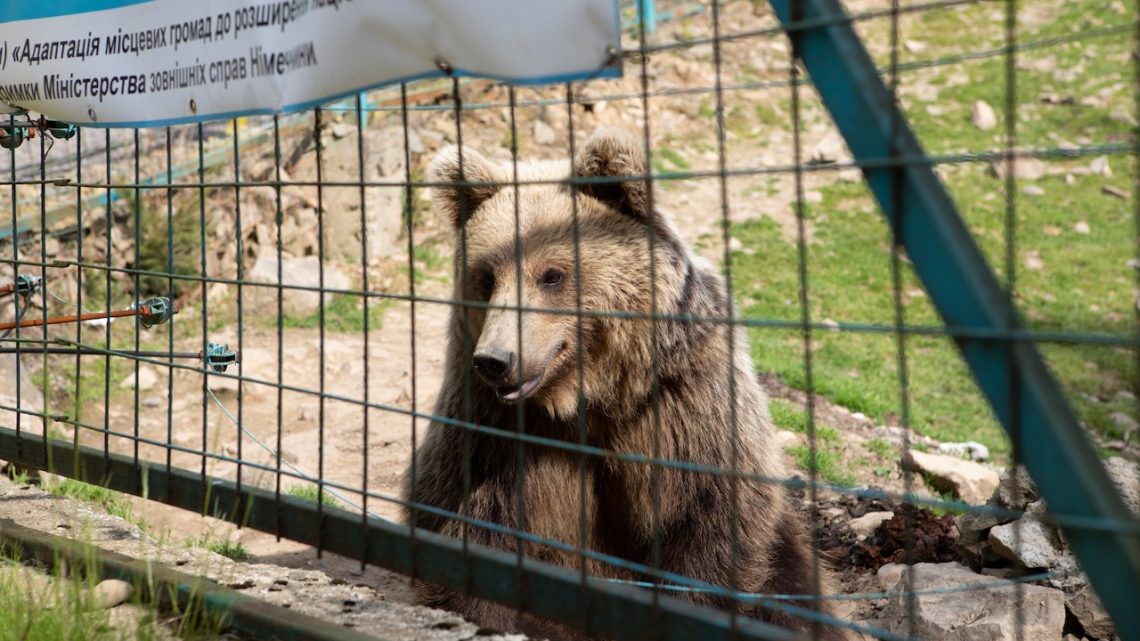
[[1031, 543]]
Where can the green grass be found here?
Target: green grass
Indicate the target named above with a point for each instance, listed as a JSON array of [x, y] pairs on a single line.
[[427, 263], [881, 448], [58, 607], [343, 313], [827, 463], [234, 550], [418, 207], [63, 610], [829, 460], [1065, 281], [790, 417], [666, 160], [110, 501], [309, 493], [19, 477]]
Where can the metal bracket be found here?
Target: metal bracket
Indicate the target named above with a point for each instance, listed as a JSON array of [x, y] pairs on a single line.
[[1026, 398], [217, 356], [154, 311]]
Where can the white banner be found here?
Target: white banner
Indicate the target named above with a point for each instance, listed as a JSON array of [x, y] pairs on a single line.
[[158, 62]]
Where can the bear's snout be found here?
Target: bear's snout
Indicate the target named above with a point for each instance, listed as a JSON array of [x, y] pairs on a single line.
[[494, 365]]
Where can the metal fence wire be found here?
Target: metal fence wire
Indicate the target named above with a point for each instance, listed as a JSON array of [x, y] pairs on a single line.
[[610, 358]]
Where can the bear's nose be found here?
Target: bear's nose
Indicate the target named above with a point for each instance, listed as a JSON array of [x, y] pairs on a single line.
[[494, 364]]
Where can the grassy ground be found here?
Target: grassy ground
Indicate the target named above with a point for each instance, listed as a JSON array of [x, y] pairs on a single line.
[[310, 493], [1072, 245], [61, 610], [64, 607]]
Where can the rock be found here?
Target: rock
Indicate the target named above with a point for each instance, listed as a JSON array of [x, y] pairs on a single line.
[[1067, 574], [983, 116], [385, 148], [30, 398], [969, 481], [971, 450], [1082, 227], [974, 615], [1086, 608], [890, 574], [544, 134], [217, 292], [1100, 167], [830, 149], [1016, 490], [385, 218], [112, 592], [301, 271], [1125, 476], [342, 129], [1112, 190], [1125, 422], [786, 438], [866, 525], [1035, 546], [1033, 190], [1023, 168], [973, 526], [146, 379]]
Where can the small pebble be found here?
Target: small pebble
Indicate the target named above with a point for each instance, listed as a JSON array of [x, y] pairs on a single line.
[[112, 592]]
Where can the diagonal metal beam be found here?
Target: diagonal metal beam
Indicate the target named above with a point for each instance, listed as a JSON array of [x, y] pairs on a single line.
[[1026, 398]]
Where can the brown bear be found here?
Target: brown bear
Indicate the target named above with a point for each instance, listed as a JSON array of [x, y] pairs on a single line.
[[538, 246]]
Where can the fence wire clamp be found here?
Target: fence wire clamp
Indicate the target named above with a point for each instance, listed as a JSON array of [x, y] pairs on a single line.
[[14, 134], [154, 311], [25, 285], [217, 357]]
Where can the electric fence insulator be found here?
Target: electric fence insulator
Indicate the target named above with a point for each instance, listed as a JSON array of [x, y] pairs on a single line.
[[217, 357], [61, 130], [27, 284], [11, 137], [154, 311]]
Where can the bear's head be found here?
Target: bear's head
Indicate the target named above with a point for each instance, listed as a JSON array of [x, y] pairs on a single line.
[[527, 240]]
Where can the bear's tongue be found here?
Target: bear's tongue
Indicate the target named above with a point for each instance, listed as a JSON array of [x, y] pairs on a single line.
[[516, 393]]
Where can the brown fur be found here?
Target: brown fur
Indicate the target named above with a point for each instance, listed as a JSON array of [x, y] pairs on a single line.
[[705, 382]]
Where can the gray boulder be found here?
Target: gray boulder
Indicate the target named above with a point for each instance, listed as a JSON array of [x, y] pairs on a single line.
[[303, 271], [986, 614]]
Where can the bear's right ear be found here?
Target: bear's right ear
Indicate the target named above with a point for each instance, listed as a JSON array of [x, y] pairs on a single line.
[[614, 153], [458, 198]]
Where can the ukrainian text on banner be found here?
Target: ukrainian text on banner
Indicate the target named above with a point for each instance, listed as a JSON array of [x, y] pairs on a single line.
[[157, 62]]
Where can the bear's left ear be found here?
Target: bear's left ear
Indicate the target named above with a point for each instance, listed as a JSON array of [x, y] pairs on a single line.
[[615, 153]]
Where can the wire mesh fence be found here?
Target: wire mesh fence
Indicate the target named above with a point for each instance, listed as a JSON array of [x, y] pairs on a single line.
[[632, 357]]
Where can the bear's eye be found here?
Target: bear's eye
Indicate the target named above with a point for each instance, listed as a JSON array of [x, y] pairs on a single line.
[[487, 284], [551, 278]]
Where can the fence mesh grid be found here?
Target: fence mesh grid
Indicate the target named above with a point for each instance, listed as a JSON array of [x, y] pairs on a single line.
[[284, 288]]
